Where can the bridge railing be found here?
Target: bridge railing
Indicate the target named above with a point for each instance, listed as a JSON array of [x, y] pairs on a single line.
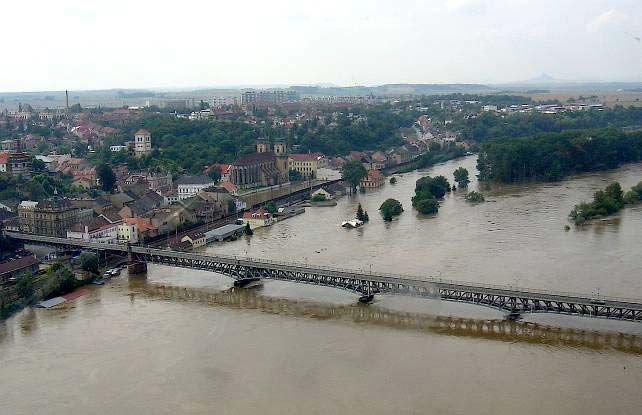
[[407, 279], [396, 278]]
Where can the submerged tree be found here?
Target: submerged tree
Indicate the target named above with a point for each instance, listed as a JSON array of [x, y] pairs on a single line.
[[461, 177], [390, 208], [352, 172]]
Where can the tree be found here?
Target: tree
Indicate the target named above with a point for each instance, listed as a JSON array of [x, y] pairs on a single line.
[[393, 180], [360, 213], [271, 207], [294, 176], [352, 172], [89, 262], [215, 174], [427, 206], [390, 208], [319, 197], [461, 177], [106, 176], [38, 166], [24, 286], [614, 191], [437, 186]]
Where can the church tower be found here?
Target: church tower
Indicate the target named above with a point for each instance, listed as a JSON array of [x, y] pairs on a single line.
[[280, 147], [262, 145]]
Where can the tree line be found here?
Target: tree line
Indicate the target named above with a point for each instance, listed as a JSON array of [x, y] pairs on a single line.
[[553, 156], [488, 125]]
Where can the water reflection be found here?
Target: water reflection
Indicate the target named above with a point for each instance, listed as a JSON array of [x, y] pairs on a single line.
[[490, 329]]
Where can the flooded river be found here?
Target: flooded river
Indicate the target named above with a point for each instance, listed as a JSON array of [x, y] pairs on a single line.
[[181, 342]]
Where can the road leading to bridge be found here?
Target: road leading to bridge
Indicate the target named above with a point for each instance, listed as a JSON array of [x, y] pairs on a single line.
[[511, 299]]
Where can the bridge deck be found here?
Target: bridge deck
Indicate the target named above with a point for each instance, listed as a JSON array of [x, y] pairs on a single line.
[[497, 296]]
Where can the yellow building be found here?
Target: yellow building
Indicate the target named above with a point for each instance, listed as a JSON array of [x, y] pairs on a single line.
[[306, 164]]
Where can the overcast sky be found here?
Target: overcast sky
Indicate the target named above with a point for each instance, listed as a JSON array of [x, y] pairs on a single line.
[[85, 44]]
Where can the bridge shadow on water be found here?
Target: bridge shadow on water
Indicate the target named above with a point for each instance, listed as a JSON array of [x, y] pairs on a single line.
[[491, 329]]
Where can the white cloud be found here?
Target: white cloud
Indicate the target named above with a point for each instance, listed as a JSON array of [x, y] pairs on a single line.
[[605, 19], [155, 43], [465, 6]]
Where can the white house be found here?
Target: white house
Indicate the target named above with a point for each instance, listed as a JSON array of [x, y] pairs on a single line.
[[189, 186], [95, 230]]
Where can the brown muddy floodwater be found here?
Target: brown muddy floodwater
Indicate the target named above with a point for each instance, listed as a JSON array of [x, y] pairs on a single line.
[[182, 342]]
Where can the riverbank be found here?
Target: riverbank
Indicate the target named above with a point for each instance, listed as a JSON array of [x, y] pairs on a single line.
[[516, 238]]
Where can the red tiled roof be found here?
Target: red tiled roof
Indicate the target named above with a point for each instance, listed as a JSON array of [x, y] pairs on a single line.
[[229, 186], [142, 131], [303, 157], [17, 264], [4, 157], [375, 175]]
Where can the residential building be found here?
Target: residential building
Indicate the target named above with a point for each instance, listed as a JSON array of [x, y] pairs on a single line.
[[305, 164], [15, 163], [258, 218], [378, 160], [127, 233], [268, 96], [96, 229], [153, 181], [144, 228], [51, 217], [189, 186], [169, 218], [374, 179], [196, 239], [16, 267]]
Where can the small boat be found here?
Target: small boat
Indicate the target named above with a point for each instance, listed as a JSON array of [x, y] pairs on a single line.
[[354, 223], [98, 282], [366, 298], [513, 316], [247, 283]]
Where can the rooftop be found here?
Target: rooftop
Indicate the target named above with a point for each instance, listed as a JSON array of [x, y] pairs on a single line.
[[186, 180], [17, 264], [254, 158]]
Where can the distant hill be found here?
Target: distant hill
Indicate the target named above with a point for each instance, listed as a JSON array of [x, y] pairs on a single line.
[[394, 89], [548, 82]]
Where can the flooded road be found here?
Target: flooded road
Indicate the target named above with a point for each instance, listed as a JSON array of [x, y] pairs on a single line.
[[181, 342]]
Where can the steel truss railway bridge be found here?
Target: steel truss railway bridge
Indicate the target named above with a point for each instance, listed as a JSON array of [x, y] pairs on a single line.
[[511, 299]]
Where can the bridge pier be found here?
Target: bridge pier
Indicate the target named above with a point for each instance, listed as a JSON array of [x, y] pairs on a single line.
[[248, 271], [134, 265], [247, 282]]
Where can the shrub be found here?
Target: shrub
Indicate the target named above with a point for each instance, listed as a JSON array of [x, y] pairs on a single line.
[[474, 197]]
